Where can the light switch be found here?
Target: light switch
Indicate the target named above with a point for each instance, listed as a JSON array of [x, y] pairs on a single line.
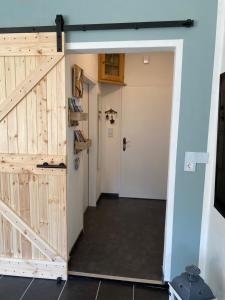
[[110, 132], [193, 158]]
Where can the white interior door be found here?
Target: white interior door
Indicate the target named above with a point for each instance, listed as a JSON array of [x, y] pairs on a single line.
[[146, 115], [85, 104]]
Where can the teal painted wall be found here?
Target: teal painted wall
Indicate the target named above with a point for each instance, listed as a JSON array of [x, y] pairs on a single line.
[[196, 82]]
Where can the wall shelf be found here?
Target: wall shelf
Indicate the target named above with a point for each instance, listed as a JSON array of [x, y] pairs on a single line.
[[74, 117], [111, 82], [80, 146]]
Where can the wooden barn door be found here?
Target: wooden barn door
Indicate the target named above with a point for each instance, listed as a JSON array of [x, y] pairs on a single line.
[[33, 239]]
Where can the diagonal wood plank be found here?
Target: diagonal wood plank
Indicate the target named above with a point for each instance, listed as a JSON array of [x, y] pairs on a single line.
[[29, 233], [27, 85]]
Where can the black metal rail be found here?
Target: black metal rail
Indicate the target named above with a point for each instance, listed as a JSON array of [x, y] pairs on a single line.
[[60, 27], [104, 26]]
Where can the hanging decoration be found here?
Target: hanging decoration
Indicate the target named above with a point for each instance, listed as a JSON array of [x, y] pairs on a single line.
[[110, 115], [77, 81]]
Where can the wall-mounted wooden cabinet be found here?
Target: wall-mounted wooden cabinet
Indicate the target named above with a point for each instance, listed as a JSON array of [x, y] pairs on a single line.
[[111, 68]]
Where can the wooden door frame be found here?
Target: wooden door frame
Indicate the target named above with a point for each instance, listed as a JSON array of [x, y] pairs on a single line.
[[147, 46]]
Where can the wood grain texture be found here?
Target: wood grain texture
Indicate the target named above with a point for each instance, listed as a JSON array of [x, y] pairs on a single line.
[[29, 44], [27, 164], [31, 64], [15, 95], [42, 131], [3, 124], [20, 73], [28, 234], [10, 79], [33, 268], [61, 107], [40, 203], [33, 121], [38, 122]]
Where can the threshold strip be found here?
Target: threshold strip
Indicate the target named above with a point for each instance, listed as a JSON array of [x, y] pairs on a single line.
[[117, 278]]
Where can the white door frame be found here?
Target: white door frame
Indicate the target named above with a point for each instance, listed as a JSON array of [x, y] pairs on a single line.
[[92, 130], [147, 46], [209, 187]]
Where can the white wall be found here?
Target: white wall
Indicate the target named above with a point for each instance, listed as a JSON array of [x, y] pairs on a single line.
[[88, 62], [157, 74], [77, 185], [212, 250]]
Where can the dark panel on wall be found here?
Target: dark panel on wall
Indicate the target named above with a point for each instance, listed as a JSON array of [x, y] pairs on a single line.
[[220, 160]]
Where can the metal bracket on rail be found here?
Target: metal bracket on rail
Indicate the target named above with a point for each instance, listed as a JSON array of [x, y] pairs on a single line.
[[59, 21]]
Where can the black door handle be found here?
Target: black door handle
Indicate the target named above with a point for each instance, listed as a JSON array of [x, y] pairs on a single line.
[[46, 165], [124, 144]]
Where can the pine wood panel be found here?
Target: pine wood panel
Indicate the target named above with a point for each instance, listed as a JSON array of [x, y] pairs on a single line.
[[12, 116], [31, 64], [61, 109], [42, 127], [40, 201], [29, 44], [37, 124], [15, 95], [33, 268], [15, 204], [20, 72], [33, 122], [6, 226], [3, 125]]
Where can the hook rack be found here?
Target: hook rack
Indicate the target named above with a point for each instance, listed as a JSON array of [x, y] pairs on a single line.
[[110, 112]]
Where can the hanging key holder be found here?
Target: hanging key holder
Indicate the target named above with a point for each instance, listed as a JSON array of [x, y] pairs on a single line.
[[110, 115]]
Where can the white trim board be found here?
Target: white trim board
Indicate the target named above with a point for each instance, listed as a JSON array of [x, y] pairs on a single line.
[[212, 137], [123, 46], [147, 46]]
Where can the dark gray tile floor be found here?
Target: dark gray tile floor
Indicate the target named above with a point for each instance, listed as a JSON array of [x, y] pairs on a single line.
[[15, 288], [122, 237]]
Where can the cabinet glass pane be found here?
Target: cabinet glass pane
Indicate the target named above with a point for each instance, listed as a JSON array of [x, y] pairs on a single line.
[[112, 70], [112, 62], [112, 59]]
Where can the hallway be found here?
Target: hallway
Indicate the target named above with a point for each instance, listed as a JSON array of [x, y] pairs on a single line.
[[122, 237]]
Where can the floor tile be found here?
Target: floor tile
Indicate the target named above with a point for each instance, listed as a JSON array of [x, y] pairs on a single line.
[[148, 293], [12, 288], [122, 237], [115, 291], [44, 290], [79, 288]]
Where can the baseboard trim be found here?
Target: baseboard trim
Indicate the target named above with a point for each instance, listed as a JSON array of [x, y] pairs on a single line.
[[118, 278], [109, 195]]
